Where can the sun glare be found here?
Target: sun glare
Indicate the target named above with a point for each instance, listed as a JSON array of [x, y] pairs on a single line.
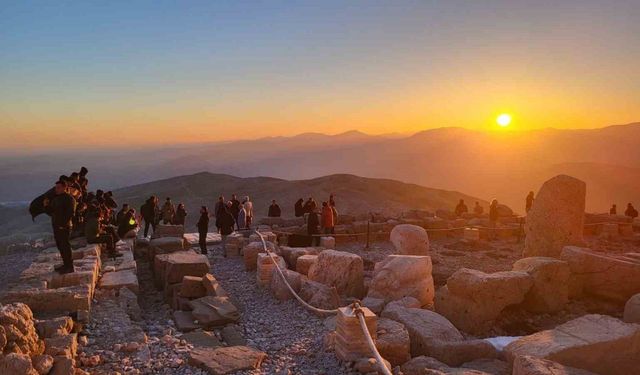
[[504, 119]]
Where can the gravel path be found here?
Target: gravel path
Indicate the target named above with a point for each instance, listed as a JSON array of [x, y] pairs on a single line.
[[290, 335], [12, 265]]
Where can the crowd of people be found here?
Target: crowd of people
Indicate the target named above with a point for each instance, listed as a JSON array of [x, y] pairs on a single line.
[[630, 211], [75, 211]]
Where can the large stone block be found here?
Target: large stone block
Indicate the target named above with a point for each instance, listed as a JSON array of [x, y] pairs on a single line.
[[399, 276], [181, 264], [226, 360], [214, 311], [42, 300], [165, 245], [472, 299], [266, 264], [120, 279], [550, 290], [602, 275], [596, 343], [250, 253], [393, 341], [319, 295], [527, 365], [342, 270], [304, 263], [410, 240], [280, 289], [193, 239], [164, 230], [556, 218]]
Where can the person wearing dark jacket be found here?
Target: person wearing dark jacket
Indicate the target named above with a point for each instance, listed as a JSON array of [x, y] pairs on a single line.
[[62, 208], [226, 223], [127, 223], [148, 213], [235, 207], [613, 210], [121, 214], [461, 208], [180, 216], [109, 201], [203, 229], [631, 211], [274, 209], [529, 201], [94, 233], [298, 208], [313, 227]]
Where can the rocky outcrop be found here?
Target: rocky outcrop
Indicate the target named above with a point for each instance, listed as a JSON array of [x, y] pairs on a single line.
[[399, 276], [596, 343], [339, 269], [410, 240], [556, 218], [472, 299], [550, 290]]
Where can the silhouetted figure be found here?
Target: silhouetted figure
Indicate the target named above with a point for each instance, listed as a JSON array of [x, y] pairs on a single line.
[[168, 211], [274, 210], [226, 223], [613, 210], [148, 213], [313, 227], [299, 208], [529, 201], [121, 214], [235, 207], [477, 209], [461, 208], [327, 219], [493, 212], [631, 211], [62, 209], [128, 224], [180, 216], [309, 206], [241, 221], [248, 209], [217, 210], [334, 211], [109, 201], [203, 229]]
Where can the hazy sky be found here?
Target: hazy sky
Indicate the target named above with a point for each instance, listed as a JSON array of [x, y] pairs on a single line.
[[133, 73]]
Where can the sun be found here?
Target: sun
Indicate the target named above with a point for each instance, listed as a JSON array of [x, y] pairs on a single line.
[[504, 119]]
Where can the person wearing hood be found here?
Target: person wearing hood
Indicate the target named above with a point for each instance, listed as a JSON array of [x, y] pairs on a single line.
[[299, 208], [148, 214], [181, 215], [248, 209], [225, 222], [168, 212], [203, 229], [274, 209], [62, 208]]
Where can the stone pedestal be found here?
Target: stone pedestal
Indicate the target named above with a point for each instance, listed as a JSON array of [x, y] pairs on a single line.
[[351, 343], [265, 268]]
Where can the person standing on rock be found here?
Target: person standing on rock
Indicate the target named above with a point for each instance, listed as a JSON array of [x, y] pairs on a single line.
[[529, 201], [168, 212], [217, 210], [493, 213], [241, 221], [120, 215], [148, 214], [61, 209], [248, 208], [631, 211], [334, 211], [613, 210], [327, 218], [461, 208], [203, 229], [181, 215], [226, 223], [299, 208], [274, 210], [235, 207], [313, 227]]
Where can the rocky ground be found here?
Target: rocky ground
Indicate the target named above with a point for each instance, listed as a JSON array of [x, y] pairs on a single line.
[[11, 265]]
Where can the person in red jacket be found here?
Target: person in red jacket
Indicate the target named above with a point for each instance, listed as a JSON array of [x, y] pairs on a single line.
[[327, 218]]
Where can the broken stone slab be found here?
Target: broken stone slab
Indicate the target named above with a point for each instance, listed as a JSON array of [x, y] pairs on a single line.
[[202, 339], [280, 289], [183, 263], [393, 341], [340, 269], [193, 239], [212, 311], [192, 287], [120, 279], [15, 363], [472, 299], [66, 345], [596, 343], [59, 326], [304, 263], [319, 295], [233, 336], [212, 286], [424, 365], [266, 265], [527, 365], [410, 240], [556, 218], [164, 230], [185, 321], [42, 300], [167, 244], [601, 275], [226, 360], [291, 254], [374, 304], [250, 254], [550, 290], [399, 276]]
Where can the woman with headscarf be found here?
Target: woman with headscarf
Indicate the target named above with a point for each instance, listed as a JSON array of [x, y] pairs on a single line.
[[203, 229]]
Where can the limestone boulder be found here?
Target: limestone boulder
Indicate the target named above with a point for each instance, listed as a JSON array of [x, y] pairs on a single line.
[[280, 289], [424, 365], [596, 343], [556, 218], [527, 365], [120, 279], [393, 341], [54, 327], [339, 269], [319, 295], [399, 276], [632, 310], [18, 333], [212, 286], [226, 360], [164, 230], [550, 290], [192, 287], [212, 311], [304, 263], [42, 363], [472, 299], [167, 244], [181, 264], [250, 253], [602, 275], [410, 239], [17, 364]]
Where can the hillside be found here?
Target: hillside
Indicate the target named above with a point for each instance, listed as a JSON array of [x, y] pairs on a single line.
[[354, 194]]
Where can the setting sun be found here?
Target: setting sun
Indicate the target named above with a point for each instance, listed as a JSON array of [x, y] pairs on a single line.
[[504, 119]]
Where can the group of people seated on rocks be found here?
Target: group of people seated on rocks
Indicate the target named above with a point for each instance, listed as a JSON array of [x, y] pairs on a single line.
[[317, 218], [629, 212], [75, 211]]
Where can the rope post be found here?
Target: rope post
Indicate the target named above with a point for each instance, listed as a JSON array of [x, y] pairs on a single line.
[[368, 234], [351, 343]]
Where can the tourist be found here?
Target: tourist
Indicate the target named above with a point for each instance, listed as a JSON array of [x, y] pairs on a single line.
[[313, 224], [631, 211], [461, 208], [96, 232], [180, 216], [235, 207], [61, 209], [327, 218], [493, 213], [298, 208], [120, 215], [248, 208], [241, 220], [274, 210], [529, 201], [168, 212], [613, 210], [332, 200], [128, 225], [218, 210], [203, 229], [225, 222], [148, 214], [334, 211], [310, 206], [109, 201], [477, 209]]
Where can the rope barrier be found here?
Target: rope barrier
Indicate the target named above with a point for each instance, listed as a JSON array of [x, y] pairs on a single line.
[[372, 346]]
